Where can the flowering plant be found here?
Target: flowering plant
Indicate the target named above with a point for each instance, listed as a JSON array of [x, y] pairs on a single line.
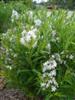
[[39, 53]]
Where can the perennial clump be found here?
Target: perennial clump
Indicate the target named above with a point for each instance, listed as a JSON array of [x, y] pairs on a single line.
[[39, 52]]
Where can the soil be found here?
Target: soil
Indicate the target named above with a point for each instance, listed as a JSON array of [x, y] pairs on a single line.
[[11, 94]]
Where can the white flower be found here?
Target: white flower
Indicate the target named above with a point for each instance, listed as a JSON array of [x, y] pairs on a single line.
[[30, 14], [48, 46], [48, 65], [64, 62], [15, 55], [62, 52], [22, 40], [47, 85], [53, 33], [15, 15], [49, 13], [67, 56], [52, 73], [12, 38], [44, 75], [50, 81], [58, 57], [53, 56], [54, 81], [23, 33], [27, 36], [71, 57], [44, 69], [35, 44], [69, 14], [53, 88], [31, 34], [8, 67], [57, 39], [43, 84], [37, 22]]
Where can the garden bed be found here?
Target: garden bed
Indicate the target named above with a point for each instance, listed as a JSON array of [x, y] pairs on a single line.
[[37, 54], [11, 94]]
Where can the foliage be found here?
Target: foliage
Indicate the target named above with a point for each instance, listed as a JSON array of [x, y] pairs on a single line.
[[5, 13], [40, 43], [6, 10]]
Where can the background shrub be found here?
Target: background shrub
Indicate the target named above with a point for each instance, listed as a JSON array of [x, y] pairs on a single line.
[[5, 13]]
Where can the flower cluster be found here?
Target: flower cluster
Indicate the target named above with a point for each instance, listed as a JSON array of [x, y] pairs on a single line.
[[15, 15], [57, 57], [49, 74], [27, 36], [37, 22], [30, 14], [69, 14]]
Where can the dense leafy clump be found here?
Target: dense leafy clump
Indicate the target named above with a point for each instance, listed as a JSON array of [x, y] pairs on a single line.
[[6, 10], [38, 53], [5, 13]]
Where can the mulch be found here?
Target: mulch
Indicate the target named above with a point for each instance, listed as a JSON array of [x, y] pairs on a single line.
[[11, 94]]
